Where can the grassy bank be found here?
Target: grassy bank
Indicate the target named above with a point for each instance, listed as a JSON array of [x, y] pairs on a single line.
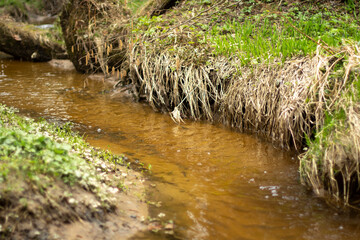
[[281, 69], [49, 176], [249, 64]]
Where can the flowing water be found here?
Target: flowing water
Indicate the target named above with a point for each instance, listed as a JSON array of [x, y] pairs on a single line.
[[213, 182]]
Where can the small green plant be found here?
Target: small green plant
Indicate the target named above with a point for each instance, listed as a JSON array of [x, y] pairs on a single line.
[[33, 155]]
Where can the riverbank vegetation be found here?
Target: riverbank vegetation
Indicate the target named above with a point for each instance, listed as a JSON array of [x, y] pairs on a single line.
[[49, 177], [286, 70]]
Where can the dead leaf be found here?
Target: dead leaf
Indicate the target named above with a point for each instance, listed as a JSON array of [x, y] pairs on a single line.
[[17, 37]]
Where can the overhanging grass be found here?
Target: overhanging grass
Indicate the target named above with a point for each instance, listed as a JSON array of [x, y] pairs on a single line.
[[331, 165], [245, 64], [260, 74]]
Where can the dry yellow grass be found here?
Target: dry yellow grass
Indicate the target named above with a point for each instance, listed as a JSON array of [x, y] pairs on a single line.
[[283, 101], [331, 165]]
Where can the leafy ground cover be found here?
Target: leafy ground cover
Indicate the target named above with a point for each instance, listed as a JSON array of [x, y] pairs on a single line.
[[50, 176]]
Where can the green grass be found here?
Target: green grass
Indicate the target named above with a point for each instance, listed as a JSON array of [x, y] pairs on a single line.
[[135, 5], [257, 36], [20, 3], [266, 40]]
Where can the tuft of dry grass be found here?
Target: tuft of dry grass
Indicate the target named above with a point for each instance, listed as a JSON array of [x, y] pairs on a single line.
[[331, 165], [93, 31], [284, 102]]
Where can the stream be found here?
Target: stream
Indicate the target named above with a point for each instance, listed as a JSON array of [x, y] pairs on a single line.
[[213, 182]]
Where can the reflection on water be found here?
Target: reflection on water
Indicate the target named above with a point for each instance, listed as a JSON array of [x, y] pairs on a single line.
[[213, 182]]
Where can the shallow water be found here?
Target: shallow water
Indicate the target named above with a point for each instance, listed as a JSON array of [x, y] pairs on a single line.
[[213, 182]]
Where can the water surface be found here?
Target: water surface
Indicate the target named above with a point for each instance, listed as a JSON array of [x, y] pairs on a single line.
[[213, 182]]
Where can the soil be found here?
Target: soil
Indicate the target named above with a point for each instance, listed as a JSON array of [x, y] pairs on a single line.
[[60, 211], [122, 223]]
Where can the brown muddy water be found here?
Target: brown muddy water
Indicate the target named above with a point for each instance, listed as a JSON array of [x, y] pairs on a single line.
[[213, 182]]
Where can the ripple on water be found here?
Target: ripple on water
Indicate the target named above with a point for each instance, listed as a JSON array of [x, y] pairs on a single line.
[[213, 182]]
